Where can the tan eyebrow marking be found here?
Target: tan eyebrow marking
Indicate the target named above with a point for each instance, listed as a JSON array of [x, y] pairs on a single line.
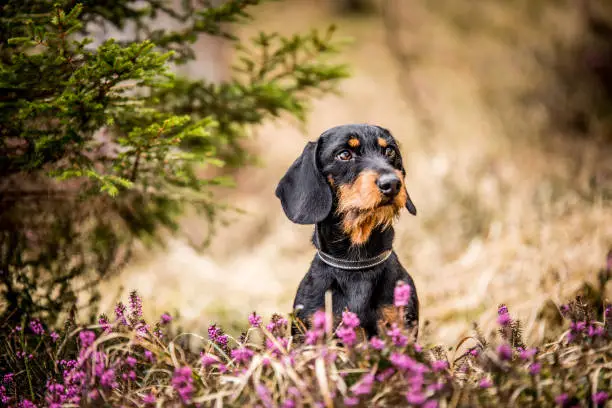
[[382, 142], [353, 142]]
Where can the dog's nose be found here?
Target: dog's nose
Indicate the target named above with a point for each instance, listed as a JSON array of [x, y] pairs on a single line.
[[389, 184]]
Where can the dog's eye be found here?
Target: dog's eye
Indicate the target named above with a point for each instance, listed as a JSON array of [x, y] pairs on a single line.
[[390, 152], [344, 155]]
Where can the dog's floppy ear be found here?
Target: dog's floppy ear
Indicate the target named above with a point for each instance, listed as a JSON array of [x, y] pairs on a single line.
[[304, 194], [409, 204]]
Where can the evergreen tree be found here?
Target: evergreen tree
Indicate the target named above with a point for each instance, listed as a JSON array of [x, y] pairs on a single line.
[[101, 144]]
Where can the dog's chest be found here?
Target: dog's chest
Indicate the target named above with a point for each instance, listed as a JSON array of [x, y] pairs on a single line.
[[356, 295]]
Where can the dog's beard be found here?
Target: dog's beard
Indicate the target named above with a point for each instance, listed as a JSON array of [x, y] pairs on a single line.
[[363, 209]]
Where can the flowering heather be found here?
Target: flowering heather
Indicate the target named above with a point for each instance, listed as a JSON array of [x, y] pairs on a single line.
[[120, 310], [37, 327], [135, 305], [165, 318], [268, 368], [255, 320], [182, 382], [401, 294]]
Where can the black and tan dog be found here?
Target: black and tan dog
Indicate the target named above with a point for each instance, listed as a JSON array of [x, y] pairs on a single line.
[[350, 184]]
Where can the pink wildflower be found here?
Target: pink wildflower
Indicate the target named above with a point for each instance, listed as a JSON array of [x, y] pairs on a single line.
[[401, 294], [485, 383], [504, 351], [439, 365], [36, 327], [350, 319], [182, 382], [255, 320], [376, 343], [364, 386], [242, 355], [347, 335], [87, 338]]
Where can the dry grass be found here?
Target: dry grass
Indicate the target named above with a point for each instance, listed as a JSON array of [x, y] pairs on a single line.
[[501, 217]]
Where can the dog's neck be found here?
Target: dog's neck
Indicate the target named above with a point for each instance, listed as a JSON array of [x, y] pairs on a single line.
[[330, 238]]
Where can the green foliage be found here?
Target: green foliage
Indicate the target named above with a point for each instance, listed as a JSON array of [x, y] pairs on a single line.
[[101, 143]]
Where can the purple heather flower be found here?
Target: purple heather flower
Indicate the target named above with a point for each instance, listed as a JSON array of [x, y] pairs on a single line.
[[8, 378], [430, 404], [54, 336], [350, 319], [36, 327], [26, 404], [595, 331], [401, 294], [209, 359], [135, 305], [120, 313], [535, 368], [561, 399], [288, 403], [364, 386], [277, 322], [502, 309], [319, 320], [264, 395], [528, 353], [415, 397], [385, 374], [439, 365], [504, 351], [217, 335], [351, 401], [578, 326], [376, 343], [396, 336], [600, 398], [474, 352], [485, 383], [108, 379], [182, 382], [417, 347], [242, 355], [131, 361], [142, 329], [313, 336], [4, 399], [149, 356], [255, 320], [271, 345], [165, 318], [93, 394], [148, 399], [106, 326], [87, 338], [347, 335], [402, 361], [504, 319]]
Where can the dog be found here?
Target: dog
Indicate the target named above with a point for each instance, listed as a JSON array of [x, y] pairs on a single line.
[[350, 185]]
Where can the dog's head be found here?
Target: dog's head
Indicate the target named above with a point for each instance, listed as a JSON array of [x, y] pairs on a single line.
[[355, 171]]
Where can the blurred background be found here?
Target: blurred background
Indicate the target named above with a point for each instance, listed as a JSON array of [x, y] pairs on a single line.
[[503, 110], [500, 109]]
